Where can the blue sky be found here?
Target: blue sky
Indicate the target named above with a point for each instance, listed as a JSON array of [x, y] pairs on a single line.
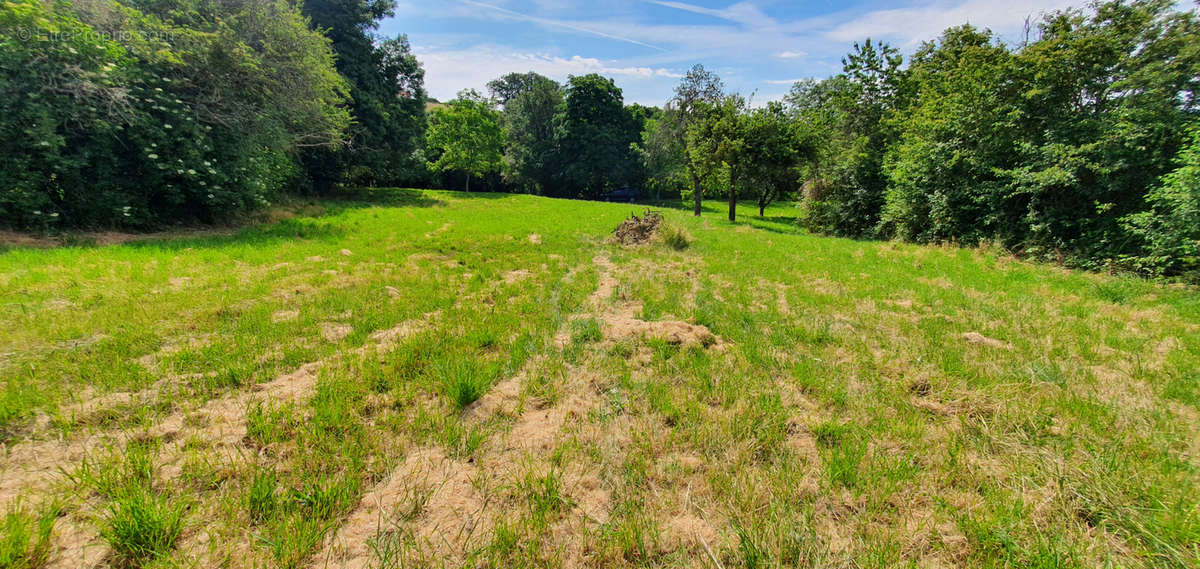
[[757, 46]]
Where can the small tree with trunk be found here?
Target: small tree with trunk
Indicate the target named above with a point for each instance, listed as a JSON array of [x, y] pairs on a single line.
[[699, 89], [775, 151], [465, 136], [716, 141]]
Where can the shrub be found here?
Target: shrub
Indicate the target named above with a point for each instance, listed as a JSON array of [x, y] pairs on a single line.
[[189, 115], [1170, 230]]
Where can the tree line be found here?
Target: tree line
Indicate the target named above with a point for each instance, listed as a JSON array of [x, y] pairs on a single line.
[[1078, 143]]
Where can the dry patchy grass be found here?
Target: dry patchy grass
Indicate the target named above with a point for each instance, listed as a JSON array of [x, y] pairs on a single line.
[[427, 383]]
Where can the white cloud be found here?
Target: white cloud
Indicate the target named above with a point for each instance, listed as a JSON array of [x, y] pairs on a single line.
[[553, 23], [449, 71], [743, 13], [782, 81], [912, 25], [792, 55]]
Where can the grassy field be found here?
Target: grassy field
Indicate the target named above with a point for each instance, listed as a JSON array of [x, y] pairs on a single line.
[[434, 379]]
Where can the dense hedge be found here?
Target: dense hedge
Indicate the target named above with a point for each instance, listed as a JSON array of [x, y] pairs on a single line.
[[133, 114]]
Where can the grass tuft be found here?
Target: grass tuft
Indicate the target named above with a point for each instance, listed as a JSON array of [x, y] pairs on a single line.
[[261, 502], [586, 331], [25, 538], [674, 236], [464, 382], [1120, 290], [141, 527]]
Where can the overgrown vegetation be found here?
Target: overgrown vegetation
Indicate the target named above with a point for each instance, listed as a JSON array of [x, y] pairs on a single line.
[[132, 117], [139, 114]]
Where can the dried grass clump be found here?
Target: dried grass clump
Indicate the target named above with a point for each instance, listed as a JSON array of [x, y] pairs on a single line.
[[637, 230]]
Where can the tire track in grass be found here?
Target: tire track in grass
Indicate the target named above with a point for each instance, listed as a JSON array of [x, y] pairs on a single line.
[[31, 467], [439, 506], [219, 421], [441, 492]]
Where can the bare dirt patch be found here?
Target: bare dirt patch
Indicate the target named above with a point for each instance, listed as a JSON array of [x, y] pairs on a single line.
[[621, 322], [939, 282], [334, 332], [538, 429], [513, 277], [435, 494], [285, 316], [782, 300], [504, 398], [981, 340], [445, 227], [686, 529], [621, 326], [31, 469]]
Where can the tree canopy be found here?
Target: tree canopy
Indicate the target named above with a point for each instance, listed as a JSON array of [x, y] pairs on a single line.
[[465, 136]]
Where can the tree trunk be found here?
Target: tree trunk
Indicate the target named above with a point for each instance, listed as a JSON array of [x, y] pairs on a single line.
[[732, 204], [697, 195], [468, 182]]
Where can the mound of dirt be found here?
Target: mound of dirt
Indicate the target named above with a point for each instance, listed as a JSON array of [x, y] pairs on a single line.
[[672, 331], [981, 340], [636, 229]]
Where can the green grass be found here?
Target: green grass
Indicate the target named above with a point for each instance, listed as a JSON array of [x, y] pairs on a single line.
[[862, 404], [141, 527], [26, 537]]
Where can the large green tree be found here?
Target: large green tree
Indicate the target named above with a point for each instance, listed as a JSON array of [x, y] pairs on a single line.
[[530, 103], [594, 135], [776, 151], [465, 136], [697, 93], [855, 108], [663, 159], [1107, 94], [956, 137], [387, 97], [716, 142], [506, 88]]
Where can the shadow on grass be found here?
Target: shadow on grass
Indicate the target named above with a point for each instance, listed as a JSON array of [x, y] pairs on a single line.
[[297, 218], [370, 197], [311, 229], [461, 195], [747, 215]]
